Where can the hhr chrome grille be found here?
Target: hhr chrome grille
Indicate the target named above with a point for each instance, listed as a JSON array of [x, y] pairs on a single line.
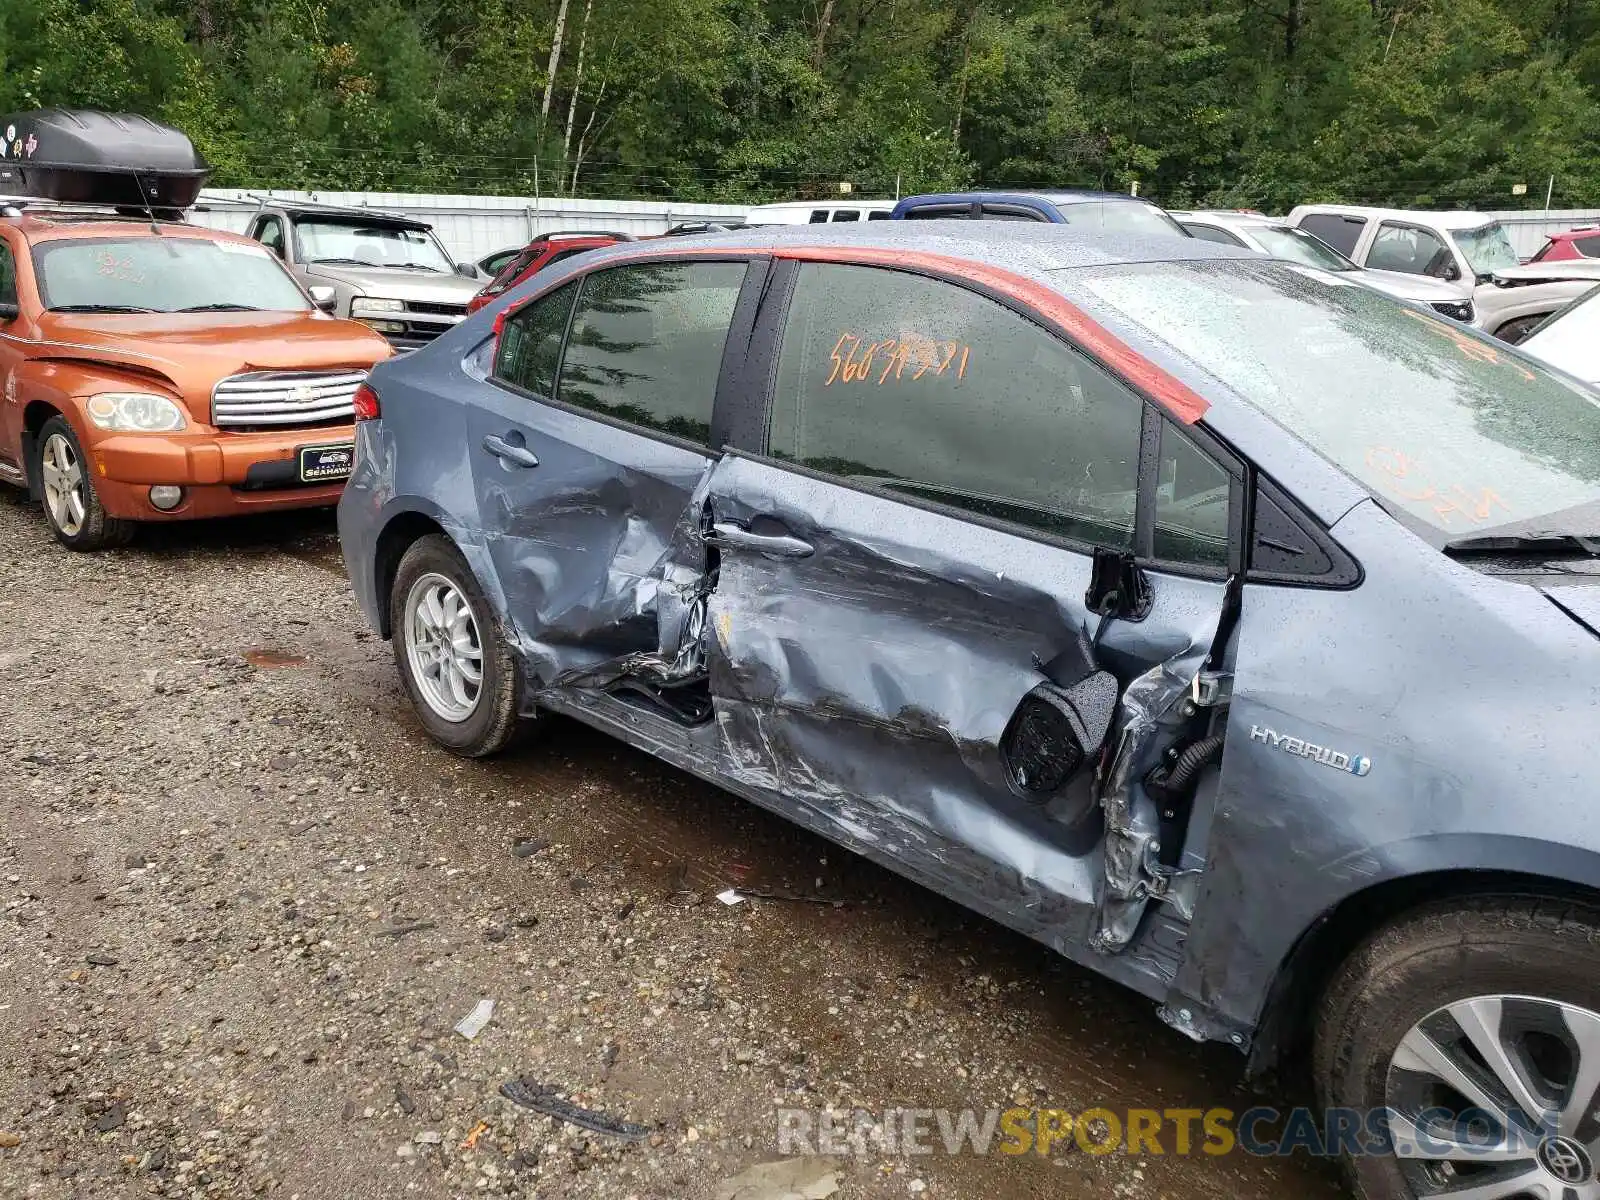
[[273, 398]]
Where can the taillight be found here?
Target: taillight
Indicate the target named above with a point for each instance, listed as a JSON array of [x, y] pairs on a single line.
[[365, 402]]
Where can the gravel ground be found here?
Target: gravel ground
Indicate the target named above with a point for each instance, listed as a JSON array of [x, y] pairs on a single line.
[[244, 902]]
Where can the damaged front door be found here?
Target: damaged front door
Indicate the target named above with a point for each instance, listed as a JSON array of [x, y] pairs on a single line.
[[965, 549], [589, 452]]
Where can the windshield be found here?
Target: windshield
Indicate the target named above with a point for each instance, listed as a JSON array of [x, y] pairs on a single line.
[[162, 274], [1487, 248], [371, 244], [1444, 426], [1568, 339], [1121, 216], [1296, 245]]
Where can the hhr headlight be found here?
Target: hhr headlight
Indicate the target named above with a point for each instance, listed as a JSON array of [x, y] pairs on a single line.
[[135, 412]]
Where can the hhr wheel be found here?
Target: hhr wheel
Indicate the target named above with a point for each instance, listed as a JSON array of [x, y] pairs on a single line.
[[1477, 1025], [461, 676], [66, 485]]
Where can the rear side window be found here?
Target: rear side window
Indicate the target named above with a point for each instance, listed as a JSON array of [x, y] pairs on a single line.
[[8, 275], [939, 212], [880, 215], [846, 214], [1340, 232], [1192, 503], [530, 343], [646, 341], [1589, 247], [927, 390]]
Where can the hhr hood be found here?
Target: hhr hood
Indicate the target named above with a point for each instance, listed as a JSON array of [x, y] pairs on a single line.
[[192, 351]]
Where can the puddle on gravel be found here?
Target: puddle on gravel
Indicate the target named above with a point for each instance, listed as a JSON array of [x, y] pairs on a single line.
[[274, 658]]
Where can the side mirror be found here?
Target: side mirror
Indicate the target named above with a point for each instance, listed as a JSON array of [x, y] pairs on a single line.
[[1451, 272], [10, 310], [324, 297], [468, 270]]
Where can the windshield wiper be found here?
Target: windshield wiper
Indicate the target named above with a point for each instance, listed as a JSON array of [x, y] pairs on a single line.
[[100, 308], [1541, 542], [354, 262], [415, 267], [223, 307]]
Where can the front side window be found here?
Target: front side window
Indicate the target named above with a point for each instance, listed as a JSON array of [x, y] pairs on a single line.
[[1296, 245], [1121, 216], [923, 389], [1410, 250], [1487, 248], [646, 344], [938, 212], [271, 235], [1340, 232], [165, 273], [507, 274], [1210, 233], [354, 242], [1450, 430], [529, 352]]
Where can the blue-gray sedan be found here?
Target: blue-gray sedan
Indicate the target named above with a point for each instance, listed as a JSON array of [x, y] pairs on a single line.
[[1229, 629]]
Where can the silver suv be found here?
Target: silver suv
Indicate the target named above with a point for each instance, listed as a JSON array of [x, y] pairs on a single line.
[[387, 271]]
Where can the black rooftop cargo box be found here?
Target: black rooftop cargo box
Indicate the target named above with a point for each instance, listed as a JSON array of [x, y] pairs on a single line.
[[79, 156]]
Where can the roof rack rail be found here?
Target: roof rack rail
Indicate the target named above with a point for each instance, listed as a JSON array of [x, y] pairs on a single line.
[[353, 210], [572, 233]]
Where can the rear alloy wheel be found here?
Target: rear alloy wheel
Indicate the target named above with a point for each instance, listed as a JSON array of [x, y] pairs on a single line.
[[461, 675], [71, 505], [1477, 1027]]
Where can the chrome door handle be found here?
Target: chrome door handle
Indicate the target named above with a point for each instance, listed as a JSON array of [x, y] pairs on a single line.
[[778, 545], [519, 456]]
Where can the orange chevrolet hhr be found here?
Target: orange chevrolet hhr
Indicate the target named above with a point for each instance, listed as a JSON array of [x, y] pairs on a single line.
[[151, 370]]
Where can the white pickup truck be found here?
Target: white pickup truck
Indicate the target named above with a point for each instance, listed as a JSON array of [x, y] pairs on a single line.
[[1470, 249]]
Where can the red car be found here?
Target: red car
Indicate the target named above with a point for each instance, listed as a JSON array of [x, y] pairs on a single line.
[[538, 254], [1583, 242]]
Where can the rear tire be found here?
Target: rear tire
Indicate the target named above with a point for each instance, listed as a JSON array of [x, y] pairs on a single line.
[[1420, 1016], [72, 507], [461, 675]]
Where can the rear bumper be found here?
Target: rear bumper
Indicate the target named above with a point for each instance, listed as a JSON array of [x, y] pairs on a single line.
[[221, 474]]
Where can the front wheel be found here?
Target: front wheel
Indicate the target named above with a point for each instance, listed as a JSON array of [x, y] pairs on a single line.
[[463, 679], [71, 505], [1476, 1024], [1515, 330]]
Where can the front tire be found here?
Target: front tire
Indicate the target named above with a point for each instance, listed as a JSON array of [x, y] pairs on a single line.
[[462, 677], [1514, 330], [1466, 1020], [66, 487]]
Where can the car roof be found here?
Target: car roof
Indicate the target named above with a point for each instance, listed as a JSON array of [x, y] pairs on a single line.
[[50, 225], [1029, 249], [1044, 256], [1243, 220], [1058, 196], [831, 202], [343, 214], [1442, 218]]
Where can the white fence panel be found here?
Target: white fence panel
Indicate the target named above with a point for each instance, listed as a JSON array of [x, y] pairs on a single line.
[[1529, 229], [472, 226]]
